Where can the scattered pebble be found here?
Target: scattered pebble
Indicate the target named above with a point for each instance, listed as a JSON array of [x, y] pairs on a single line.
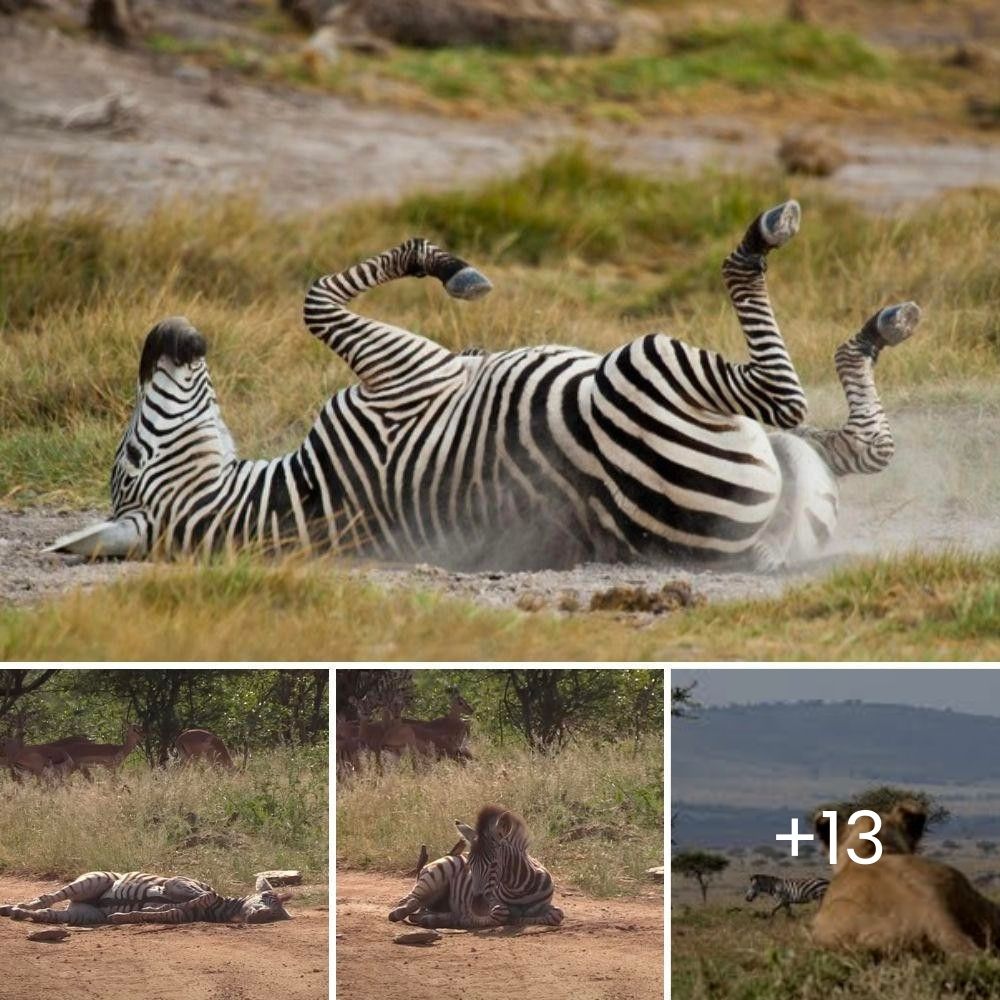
[[810, 153]]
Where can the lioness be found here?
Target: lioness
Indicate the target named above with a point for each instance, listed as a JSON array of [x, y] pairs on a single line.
[[902, 901]]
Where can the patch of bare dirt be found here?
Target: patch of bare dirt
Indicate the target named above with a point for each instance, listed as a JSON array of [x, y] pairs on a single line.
[[604, 950], [157, 127], [185, 962]]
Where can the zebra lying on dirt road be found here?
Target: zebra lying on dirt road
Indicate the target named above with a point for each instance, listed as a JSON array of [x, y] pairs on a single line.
[[496, 882], [138, 898]]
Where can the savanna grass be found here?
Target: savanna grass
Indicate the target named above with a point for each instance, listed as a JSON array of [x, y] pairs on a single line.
[[579, 253], [217, 826], [922, 607], [718, 954], [594, 814]]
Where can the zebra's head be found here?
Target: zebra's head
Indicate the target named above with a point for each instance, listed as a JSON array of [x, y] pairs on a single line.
[[175, 424], [266, 905], [496, 829], [755, 887]]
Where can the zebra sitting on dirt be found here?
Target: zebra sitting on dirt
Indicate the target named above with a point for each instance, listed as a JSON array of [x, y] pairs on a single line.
[[786, 890], [138, 898], [536, 457], [496, 882]]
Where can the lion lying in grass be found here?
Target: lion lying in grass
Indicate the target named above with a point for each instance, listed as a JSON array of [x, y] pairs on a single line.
[[902, 902]]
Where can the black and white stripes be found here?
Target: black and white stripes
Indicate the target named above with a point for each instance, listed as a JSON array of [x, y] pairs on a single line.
[[541, 456], [497, 882], [786, 890], [136, 897]]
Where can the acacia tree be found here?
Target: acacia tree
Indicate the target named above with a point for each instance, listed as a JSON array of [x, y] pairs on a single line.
[[881, 799], [702, 866]]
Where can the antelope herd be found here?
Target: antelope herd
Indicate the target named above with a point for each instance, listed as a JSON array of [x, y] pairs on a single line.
[[61, 758], [446, 736]]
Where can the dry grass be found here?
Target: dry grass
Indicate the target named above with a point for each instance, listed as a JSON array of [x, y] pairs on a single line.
[[722, 955], [594, 814], [579, 253], [919, 607], [219, 827]]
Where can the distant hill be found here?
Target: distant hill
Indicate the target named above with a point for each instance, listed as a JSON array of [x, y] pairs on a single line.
[[738, 771]]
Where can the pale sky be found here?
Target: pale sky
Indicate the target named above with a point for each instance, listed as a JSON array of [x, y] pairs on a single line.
[[958, 688]]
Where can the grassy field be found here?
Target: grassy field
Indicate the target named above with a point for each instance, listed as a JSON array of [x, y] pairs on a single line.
[[723, 953], [594, 814], [918, 607], [579, 252], [217, 827], [686, 59]]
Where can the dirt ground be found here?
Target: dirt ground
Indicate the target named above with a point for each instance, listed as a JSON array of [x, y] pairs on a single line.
[[604, 950], [171, 135], [186, 962]]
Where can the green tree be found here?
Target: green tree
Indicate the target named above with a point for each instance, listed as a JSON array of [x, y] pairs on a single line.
[[702, 866], [881, 799]]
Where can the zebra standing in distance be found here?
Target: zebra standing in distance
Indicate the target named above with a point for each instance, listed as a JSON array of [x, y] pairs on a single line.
[[786, 890], [525, 458], [139, 898], [497, 875]]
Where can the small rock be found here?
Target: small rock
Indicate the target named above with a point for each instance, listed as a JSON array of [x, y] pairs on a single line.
[[656, 874], [568, 600], [810, 153], [322, 47], [192, 73], [282, 877], [49, 934], [422, 937], [531, 600]]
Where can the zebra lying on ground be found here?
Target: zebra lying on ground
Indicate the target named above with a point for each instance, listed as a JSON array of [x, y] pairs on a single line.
[[496, 882], [786, 890], [539, 456], [138, 898]]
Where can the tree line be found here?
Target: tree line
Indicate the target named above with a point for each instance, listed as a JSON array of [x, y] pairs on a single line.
[[248, 709], [539, 707]]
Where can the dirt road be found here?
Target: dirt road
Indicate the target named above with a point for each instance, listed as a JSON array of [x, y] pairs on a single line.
[[187, 962], [605, 950]]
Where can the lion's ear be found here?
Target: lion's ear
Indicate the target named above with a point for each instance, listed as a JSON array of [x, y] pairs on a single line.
[[910, 818], [821, 824]]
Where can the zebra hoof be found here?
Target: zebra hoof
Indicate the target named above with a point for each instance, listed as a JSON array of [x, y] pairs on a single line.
[[779, 224], [897, 323], [468, 284], [398, 914]]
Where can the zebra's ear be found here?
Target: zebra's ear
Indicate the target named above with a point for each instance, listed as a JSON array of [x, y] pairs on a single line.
[[103, 540], [465, 832]]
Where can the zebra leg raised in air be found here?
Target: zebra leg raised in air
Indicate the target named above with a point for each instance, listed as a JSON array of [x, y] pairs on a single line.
[[385, 358], [864, 443]]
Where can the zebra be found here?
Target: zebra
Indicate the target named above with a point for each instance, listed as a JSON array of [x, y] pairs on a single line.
[[496, 882], [524, 458], [137, 897], [786, 890]]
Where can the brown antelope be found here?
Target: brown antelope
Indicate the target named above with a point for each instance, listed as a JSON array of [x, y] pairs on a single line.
[[49, 765], [84, 752], [204, 745], [449, 734], [349, 744], [393, 733]]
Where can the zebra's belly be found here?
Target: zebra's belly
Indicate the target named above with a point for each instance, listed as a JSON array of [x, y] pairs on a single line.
[[704, 493]]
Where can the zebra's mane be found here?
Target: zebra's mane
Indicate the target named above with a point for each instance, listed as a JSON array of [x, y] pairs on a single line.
[[764, 879], [491, 814]]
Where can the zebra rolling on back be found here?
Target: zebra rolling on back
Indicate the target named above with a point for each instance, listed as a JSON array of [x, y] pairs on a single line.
[[136, 897], [540, 456], [496, 882], [786, 890]]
